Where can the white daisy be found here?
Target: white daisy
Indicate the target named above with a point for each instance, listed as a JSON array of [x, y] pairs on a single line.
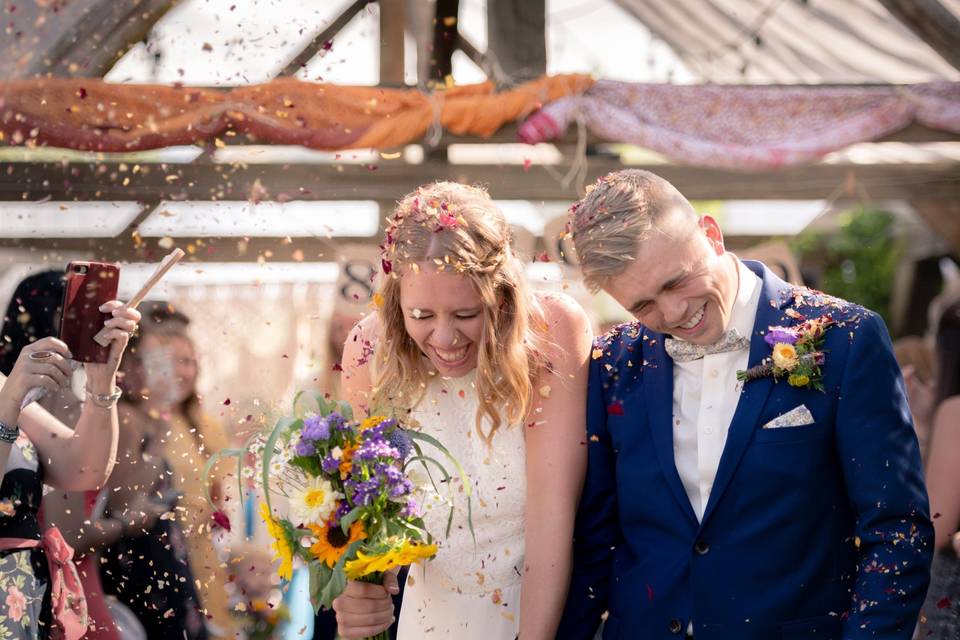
[[314, 503]]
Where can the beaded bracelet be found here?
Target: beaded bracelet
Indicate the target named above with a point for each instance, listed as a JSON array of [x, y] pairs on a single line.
[[8, 434]]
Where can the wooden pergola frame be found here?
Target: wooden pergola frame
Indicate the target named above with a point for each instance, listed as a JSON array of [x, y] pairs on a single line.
[[104, 179]]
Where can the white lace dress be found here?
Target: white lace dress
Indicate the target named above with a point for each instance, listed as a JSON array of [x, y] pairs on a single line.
[[470, 590]]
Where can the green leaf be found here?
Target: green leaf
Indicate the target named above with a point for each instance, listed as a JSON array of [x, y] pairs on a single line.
[[320, 575], [346, 410], [349, 519], [208, 467], [283, 425]]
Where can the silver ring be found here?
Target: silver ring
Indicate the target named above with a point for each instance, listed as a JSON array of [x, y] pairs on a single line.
[[41, 355]]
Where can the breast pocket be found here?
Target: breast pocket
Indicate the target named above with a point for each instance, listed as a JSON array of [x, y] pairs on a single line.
[[815, 431]]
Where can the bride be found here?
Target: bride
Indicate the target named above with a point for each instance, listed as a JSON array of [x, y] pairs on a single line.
[[461, 348]]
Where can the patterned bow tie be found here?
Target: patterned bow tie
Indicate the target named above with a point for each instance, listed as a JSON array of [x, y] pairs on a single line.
[[682, 351]]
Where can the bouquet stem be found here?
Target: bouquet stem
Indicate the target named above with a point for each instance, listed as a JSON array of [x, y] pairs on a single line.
[[376, 578]]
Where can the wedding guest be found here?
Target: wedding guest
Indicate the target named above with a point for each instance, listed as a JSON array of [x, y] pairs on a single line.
[[47, 451], [940, 619]]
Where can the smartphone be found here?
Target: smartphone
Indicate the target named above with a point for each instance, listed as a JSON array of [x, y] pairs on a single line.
[[89, 285]]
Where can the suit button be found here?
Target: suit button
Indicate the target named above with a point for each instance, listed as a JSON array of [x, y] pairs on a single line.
[[702, 548], [675, 626]]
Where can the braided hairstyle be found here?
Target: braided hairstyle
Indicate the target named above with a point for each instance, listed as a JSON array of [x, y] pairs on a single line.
[[457, 228]]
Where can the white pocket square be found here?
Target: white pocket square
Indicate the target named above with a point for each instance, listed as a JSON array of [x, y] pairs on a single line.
[[796, 417]]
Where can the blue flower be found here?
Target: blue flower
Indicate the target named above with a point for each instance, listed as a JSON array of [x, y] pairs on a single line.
[[401, 442]]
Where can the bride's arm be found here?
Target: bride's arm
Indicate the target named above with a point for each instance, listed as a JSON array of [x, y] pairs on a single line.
[[363, 609], [556, 464]]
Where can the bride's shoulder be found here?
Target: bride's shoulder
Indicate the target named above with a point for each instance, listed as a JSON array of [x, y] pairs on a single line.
[[564, 322], [561, 310]]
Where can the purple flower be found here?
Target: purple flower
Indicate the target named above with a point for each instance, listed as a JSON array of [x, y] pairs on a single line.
[[364, 491], [781, 335], [330, 464], [315, 428], [304, 448], [411, 510], [401, 442], [375, 448]]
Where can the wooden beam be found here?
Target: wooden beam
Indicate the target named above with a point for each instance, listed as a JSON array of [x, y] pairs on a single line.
[[100, 38], [127, 248], [321, 40], [444, 40], [932, 22], [390, 180], [392, 27]]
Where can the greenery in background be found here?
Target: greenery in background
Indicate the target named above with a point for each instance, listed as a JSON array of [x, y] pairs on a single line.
[[858, 261]]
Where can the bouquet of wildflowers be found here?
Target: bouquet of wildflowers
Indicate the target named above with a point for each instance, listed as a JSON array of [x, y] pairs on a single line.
[[351, 513]]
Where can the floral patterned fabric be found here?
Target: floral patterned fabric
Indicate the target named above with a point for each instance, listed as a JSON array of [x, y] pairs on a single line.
[[24, 576], [749, 128]]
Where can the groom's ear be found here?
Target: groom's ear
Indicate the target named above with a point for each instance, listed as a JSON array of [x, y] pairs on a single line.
[[711, 229]]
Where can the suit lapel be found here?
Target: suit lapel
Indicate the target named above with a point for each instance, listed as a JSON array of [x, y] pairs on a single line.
[[773, 298], [658, 396]]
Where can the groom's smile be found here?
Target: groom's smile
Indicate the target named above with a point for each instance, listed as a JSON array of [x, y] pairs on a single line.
[[681, 282]]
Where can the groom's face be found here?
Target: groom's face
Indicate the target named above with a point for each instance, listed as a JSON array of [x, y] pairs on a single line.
[[443, 313], [682, 282]]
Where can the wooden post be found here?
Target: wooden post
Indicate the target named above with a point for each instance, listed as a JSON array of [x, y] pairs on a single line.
[[444, 40], [516, 40], [392, 26]]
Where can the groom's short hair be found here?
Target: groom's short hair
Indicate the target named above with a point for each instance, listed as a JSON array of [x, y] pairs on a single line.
[[615, 216]]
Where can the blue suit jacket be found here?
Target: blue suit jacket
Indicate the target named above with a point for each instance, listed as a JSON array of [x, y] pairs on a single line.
[[816, 532]]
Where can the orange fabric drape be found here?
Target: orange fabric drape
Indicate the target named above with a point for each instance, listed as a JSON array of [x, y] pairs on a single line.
[[89, 114]]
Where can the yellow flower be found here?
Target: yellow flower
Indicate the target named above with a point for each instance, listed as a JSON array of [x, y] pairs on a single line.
[[407, 553], [784, 356], [284, 552], [798, 380], [346, 460], [371, 422], [331, 543]]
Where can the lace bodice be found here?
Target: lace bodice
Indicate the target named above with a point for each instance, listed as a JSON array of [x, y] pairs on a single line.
[[497, 476]]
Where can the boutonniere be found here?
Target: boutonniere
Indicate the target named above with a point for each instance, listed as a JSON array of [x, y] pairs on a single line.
[[797, 354]]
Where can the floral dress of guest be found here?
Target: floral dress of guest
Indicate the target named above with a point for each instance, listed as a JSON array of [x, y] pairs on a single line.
[[24, 575]]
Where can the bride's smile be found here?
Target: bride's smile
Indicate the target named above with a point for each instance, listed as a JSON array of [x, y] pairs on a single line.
[[443, 314]]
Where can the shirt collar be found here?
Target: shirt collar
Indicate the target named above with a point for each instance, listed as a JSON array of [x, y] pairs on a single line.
[[744, 312]]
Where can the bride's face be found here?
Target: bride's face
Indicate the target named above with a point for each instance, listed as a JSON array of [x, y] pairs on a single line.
[[443, 313]]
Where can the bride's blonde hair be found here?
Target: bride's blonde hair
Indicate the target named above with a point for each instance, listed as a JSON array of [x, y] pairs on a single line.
[[455, 227]]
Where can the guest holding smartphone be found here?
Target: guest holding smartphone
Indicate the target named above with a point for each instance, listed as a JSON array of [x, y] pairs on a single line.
[[38, 584]]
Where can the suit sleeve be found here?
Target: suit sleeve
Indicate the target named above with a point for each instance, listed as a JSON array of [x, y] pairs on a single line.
[[596, 531], [882, 471]]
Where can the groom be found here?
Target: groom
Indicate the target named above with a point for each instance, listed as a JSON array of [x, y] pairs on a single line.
[[779, 507]]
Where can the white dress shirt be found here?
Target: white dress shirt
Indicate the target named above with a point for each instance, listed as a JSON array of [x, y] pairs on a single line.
[[705, 397]]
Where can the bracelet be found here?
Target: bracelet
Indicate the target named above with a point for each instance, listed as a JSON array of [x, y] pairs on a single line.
[[104, 400], [8, 434]]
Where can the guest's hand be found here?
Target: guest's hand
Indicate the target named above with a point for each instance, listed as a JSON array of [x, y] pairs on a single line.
[[956, 543], [40, 364], [365, 609], [120, 327]]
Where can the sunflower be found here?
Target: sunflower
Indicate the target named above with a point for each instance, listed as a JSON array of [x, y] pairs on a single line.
[[281, 544], [331, 541], [407, 553]]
